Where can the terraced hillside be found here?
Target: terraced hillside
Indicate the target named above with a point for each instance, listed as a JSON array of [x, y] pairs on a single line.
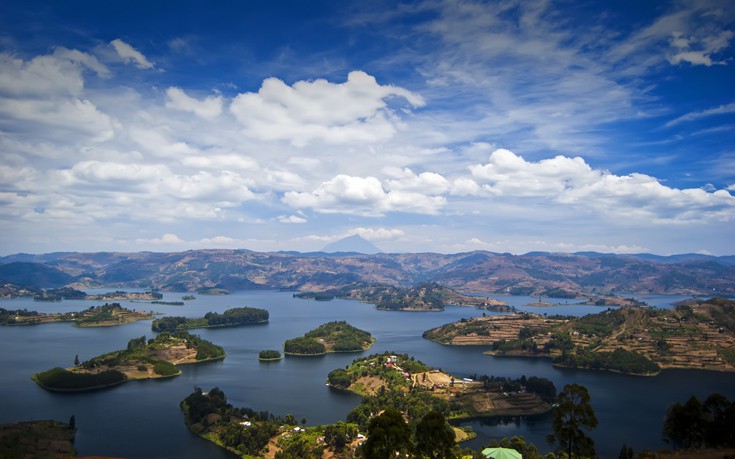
[[697, 334]]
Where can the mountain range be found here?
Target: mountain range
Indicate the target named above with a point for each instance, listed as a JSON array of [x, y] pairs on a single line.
[[535, 273]]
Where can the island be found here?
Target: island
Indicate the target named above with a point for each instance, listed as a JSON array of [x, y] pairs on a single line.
[[100, 316], [155, 358], [330, 337], [269, 355], [409, 385], [47, 439], [429, 296], [233, 317], [696, 334]]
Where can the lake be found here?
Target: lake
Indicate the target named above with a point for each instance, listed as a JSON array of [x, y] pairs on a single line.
[[142, 419]]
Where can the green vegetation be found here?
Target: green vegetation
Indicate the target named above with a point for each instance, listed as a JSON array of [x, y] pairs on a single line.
[[168, 303], [59, 379], [230, 318], [330, 337], [141, 359], [107, 314], [37, 439], [58, 294], [696, 425], [620, 360], [572, 417], [304, 346], [318, 296], [269, 354]]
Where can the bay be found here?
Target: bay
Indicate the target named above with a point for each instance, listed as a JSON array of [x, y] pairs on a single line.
[[142, 418]]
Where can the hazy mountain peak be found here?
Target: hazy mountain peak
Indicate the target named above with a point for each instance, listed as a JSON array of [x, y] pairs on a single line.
[[354, 243]]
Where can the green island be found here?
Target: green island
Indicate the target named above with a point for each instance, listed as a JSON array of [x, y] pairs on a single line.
[[429, 296], [44, 439], [410, 386], [100, 316], [213, 291], [269, 354], [330, 337], [233, 317], [155, 358], [696, 334]]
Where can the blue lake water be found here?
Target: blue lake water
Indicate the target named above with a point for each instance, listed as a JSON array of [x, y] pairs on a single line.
[[142, 419]]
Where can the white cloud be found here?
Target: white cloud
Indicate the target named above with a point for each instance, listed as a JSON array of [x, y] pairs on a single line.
[[354, 111], [377, 234], [291, 219], [130, 55], [692, 116], [362, 196], [166, 239], [425, 182], [571, 181], [208, 108], [230, 161]]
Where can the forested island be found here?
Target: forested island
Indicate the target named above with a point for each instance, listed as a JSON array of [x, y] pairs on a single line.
[[94, 316], [330, 337], [269, 354], [697, 334], [154, 358], [428, 296], [233, 317]]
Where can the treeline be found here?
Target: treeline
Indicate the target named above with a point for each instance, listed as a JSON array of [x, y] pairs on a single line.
[[621, 360], [542, 387], [269, 354], [58, 294], [304, 346], [65, 380], [230, 318], [701, 425]]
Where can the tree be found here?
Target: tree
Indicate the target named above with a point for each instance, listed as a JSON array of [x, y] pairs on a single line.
[[571, 418], [435, 437], [388, 435], [76, 360]]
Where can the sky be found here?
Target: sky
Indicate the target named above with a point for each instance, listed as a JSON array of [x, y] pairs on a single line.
[[433, 126]]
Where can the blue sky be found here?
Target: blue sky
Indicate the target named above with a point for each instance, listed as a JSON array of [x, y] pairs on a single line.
[[443, 126]]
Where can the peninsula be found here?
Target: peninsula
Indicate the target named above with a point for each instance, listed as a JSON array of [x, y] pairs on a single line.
[[155, 358], [389, 379], [429, 296], [330, 337], [100, 316], [229, 318], [697, 334]]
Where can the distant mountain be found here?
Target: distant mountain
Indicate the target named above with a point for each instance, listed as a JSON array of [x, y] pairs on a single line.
[[352, 244], [536, 274], [33, 275]]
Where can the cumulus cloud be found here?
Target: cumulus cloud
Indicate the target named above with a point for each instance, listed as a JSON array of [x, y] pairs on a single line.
[[354, 111], [130, 55], [572, 181], [425, 182], [362, 196], [43, 97], [208, 108]]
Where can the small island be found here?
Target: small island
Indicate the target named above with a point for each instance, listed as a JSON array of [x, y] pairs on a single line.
[[100, 316], [269, 355], [429, 296], [697, 334], [233, 317], [155, 358], [330, 337]]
